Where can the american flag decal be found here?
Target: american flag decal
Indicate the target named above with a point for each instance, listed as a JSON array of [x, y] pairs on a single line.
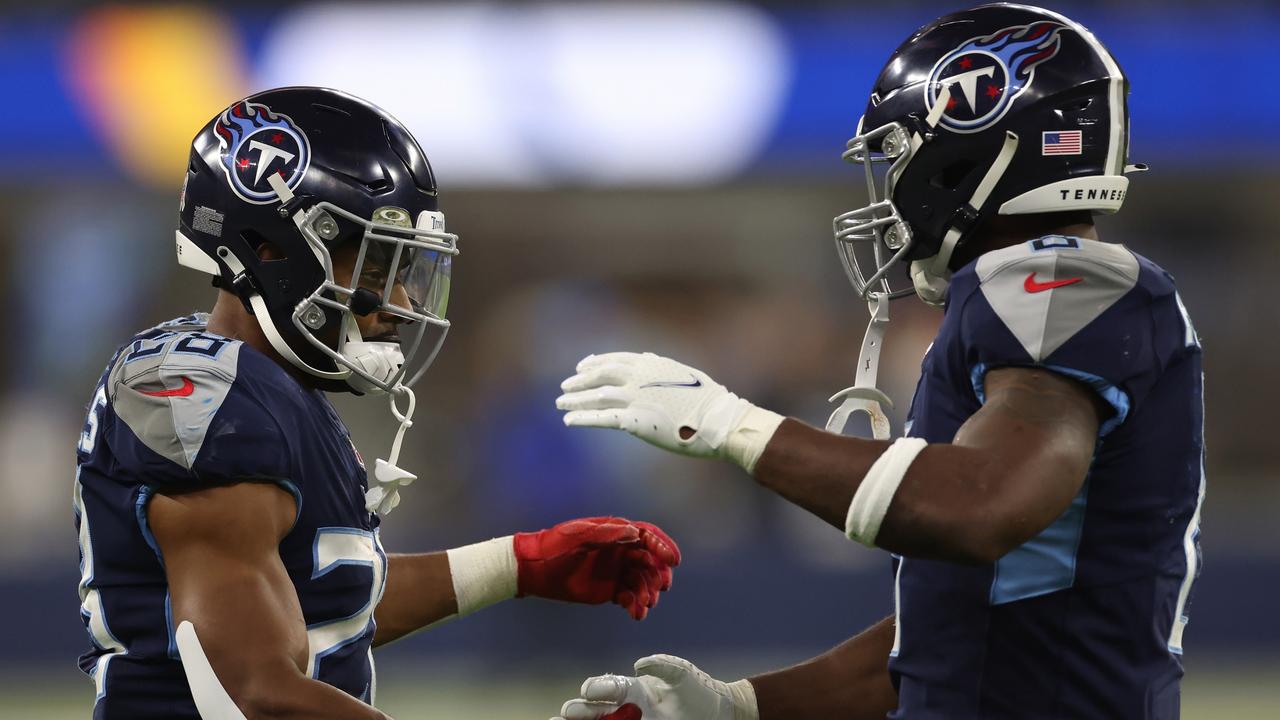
[[1060, 142]]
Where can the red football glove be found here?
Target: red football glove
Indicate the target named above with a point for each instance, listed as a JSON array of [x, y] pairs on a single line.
[[597, 560]]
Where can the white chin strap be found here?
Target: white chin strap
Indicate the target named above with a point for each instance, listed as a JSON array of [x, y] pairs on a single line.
[[269, 327], [383, 494], [864, 396], [932, 275]]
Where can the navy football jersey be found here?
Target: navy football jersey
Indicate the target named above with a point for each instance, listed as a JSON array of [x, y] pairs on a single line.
[[1086, 619], [180, 408]]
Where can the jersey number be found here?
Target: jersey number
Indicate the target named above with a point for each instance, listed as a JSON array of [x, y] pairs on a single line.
[[335, 547], [89, 435]]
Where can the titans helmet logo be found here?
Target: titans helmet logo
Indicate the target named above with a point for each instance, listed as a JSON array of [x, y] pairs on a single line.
[[257, 143], [987, 74]]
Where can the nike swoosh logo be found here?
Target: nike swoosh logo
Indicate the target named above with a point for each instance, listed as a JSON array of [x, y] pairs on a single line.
[[696, 383], [187, 388], [1031, 286]]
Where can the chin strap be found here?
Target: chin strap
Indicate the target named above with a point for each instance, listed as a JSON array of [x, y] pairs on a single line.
[[931, 276], [263, 315], [383, 494], [864, 396]]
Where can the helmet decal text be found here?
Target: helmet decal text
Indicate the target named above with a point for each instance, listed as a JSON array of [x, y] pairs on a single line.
[[256, 143], [988, 73]]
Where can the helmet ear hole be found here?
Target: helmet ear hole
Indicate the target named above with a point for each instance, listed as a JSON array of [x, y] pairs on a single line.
[[1073, 110], [953, 175], [1076, 106], [265, 249]]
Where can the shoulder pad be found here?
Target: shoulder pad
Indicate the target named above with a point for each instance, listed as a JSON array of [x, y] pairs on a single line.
[[1047, 290], [168, 385]]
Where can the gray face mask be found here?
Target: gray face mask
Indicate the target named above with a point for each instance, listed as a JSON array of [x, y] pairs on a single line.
[[874, 239], [402, 270]]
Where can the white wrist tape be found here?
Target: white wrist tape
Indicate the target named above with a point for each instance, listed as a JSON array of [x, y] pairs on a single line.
[[747, 440], [871, 501], [483, 574], [743, 695]]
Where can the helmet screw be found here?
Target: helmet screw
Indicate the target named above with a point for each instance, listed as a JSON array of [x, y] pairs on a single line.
[[283, 211], [897, 236], [313, 317], [892, 240], [326, 227]]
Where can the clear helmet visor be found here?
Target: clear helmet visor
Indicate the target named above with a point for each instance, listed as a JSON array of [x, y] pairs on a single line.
[[874, 241], [425, 279]]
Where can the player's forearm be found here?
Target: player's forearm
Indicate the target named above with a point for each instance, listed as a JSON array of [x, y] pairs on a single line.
[[816, 470], [295, 697], [423, 589], [851, 681], [419, 592], [944, 508]]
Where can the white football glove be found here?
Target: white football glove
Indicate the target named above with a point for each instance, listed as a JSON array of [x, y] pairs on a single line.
[[665, 688], [653, 398]]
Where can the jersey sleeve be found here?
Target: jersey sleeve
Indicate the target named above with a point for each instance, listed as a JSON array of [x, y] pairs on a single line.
[[1073, 306], [181, 419]]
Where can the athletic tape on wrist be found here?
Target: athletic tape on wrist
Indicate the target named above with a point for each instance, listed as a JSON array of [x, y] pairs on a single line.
[[871, 501], [743, 695], [746, 442], [483, 573]]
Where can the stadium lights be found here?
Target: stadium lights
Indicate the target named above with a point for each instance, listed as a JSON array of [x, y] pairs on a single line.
[[547, 94]]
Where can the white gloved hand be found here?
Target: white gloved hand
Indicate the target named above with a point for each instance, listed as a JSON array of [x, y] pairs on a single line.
[[654, 398], [665, 688]]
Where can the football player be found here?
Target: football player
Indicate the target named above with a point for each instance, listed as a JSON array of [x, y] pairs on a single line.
[[1043, 507], [222, 508]]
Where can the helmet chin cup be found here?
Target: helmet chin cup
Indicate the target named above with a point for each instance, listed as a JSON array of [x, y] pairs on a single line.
[[381, 360], [930, 287]]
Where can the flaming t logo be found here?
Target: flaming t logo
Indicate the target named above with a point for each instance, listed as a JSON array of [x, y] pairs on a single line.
[[255, 142], [986, 74]]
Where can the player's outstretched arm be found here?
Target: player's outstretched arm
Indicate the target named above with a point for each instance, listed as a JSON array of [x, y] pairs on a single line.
[[588, 560], [851, 681], [1011, 470], [220, 550]]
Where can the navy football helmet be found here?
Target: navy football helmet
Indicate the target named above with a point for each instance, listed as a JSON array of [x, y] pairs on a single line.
[[999, 110], [307, 170]]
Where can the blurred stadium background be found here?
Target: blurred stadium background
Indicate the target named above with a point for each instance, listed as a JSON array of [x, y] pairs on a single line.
[[623, 175]]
